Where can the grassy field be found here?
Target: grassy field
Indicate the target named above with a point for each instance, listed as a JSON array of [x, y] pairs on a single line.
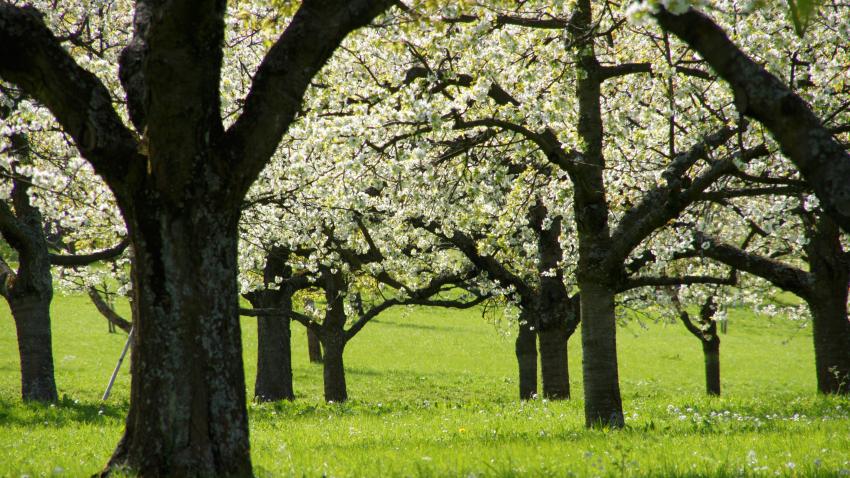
[[433, 394]]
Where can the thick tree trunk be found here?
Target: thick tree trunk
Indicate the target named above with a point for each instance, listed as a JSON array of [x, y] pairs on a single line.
[[711, 353], [602, 405], [32, 321], [334, 368], [554, 362], [314, 347], [187, 412], [526, 355], [832, 344]]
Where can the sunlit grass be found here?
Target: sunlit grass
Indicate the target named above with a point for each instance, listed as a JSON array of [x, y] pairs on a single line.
[[433, 394]]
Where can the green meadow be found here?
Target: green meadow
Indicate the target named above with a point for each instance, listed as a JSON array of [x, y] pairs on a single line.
[[433, 394]]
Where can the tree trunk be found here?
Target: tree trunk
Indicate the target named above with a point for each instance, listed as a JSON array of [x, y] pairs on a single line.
[[832, 344], [187, 412], [32, 321], [602, 404], [314, 347], [711, 353], [274, 360], [526, 355], [334, 368], [554, 362], [274, 352], [827, 299]]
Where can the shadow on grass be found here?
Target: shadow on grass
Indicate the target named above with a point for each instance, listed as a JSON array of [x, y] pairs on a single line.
[[407, 325], [66, 411]]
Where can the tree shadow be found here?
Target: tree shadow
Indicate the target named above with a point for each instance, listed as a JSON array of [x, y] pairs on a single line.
[[66, 411]]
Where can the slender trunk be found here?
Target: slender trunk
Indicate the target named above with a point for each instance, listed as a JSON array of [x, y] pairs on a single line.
[[334, 368], [314, 347], [526, 355], [832, 344], [711, 353], [32, 321], [554, 362], [187, 414], [602, 403], [274, 352]]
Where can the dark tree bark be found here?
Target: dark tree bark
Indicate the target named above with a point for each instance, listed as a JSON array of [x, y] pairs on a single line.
[[711, 355], [526, 355], [333, 367], [314, 346], [31, 312], [180, 188], [547, 311], [333, 336], [829, 267], [831, 331], [197, 390], [555, 318], [274, 350], [554, 366], [821, 159]]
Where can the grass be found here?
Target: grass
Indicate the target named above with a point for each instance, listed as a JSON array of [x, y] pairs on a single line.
[[433, 394]]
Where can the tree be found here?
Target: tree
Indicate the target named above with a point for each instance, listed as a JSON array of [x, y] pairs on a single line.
[[179, 180], [272, 305], [38, 171]]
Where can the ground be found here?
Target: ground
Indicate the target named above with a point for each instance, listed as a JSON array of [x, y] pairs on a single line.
[[433, 394]]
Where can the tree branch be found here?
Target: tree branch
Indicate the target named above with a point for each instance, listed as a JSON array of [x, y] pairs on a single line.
[[34, 59], [779, 274], [86, 259], [107, 311]]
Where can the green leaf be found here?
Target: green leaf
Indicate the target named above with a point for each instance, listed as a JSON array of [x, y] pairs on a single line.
[[802, 12]]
